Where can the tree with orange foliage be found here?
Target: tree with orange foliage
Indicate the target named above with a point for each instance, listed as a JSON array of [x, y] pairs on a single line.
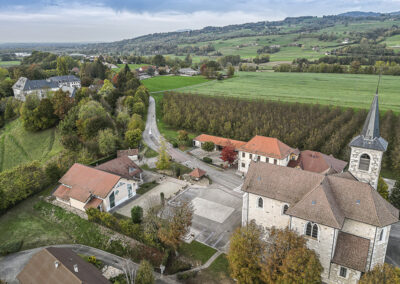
[[228, 153]]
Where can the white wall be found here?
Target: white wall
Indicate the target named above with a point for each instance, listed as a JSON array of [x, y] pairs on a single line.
[[120, 192], [77, 204], [244, 160]]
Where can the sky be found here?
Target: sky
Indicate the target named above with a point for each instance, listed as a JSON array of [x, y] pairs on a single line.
[[112, 20]]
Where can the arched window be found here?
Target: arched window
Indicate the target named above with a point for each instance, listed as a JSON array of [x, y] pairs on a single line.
[[364, 162], [260, 202], [285, 208], [308, 229], [315, 231]]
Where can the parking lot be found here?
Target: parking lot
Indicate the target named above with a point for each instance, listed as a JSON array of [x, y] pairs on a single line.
[[217, 213]]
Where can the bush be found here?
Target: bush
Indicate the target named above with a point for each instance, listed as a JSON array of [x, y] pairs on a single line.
[[175, 144], [11, 247], [207, 160], [187, 275], [208, 146], [137, 214]]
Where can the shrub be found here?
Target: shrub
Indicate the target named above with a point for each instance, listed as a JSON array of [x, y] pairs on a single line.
[[11, 247], [208, 146], [207, 160], [144, 274], [175, 144], [137, 214]]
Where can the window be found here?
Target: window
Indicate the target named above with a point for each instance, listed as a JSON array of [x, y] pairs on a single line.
[[243, 155], [364, 162], [267, 160], [243, 165], [260, 202], [285, 208], [258, 158], [250, 156], [129, 190], [343, 272], [381, 234], [312, 230], [275, 161], [112, 200]]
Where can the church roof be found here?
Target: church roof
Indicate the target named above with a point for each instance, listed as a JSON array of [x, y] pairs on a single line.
[[326, 200], [370, 136]]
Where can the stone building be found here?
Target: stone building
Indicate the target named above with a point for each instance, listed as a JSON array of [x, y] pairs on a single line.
[[342, 216]]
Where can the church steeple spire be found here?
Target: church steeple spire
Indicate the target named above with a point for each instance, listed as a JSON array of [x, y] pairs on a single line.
[[371, 126]]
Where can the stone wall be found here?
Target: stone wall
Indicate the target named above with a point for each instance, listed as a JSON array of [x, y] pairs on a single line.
[[371, 176], [380, 247], [334, 278]]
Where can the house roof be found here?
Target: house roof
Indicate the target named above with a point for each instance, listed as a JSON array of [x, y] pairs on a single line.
[[93, 203], [267, 146], [318, 162], [319, 198], [25, 84], [197, 173], [128, 152], [62, 192], [220, 141], [351, 251], [122, 166], [83, 181], [41, 268]]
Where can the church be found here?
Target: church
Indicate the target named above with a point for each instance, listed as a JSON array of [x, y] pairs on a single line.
[[342, 216]]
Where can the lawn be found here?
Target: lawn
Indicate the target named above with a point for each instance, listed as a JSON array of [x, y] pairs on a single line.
[[346, 90], [131, 66], [19, 146], [197, 251], [9, 63], [165, 83]]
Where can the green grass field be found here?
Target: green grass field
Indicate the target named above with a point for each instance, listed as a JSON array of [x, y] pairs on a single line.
[[346, 90], [393, 42], [131, 66], [164, 83], [19, 146], [9, 63]]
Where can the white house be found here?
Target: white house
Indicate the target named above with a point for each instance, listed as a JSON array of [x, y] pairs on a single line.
[[24, 86], [188, 72], [267, 150], [84, 187], [343, 217]]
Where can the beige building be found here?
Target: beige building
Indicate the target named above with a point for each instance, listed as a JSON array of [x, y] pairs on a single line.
[[343, 217], [84, 187]]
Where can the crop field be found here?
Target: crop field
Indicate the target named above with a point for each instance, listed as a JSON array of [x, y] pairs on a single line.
[[346, 90], [19, 146], [164, 83]]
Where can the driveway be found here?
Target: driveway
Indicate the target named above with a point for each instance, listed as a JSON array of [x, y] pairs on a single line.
[[217, 213], [152, 136], [11, 265]]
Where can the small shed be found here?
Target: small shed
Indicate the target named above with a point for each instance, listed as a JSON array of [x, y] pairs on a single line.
[[197, 174]]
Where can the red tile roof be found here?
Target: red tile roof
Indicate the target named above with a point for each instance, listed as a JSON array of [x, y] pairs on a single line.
[[84, 181], [318, 162], [220, 141], [267, 146], [93, 203], [62, 192], [197, 173]]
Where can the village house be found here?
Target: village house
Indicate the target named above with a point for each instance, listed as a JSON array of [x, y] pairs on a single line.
[[265, 149], [343, 217], [132, 154], [59, 265], [124, 167], [84, 187], [219, 142], [24, 87]]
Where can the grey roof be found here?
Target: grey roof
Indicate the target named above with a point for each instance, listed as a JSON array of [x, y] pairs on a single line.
[[64, 79], [25, 84], [326, 200], [370, 136]]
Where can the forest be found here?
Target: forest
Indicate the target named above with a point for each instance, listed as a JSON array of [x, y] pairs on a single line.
[[304, 126]]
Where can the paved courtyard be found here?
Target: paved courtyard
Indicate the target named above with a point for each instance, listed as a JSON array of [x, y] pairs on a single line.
[[217, 213], [214, 155]]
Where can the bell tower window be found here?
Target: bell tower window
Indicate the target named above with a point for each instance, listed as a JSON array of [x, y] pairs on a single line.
[[365, 161]]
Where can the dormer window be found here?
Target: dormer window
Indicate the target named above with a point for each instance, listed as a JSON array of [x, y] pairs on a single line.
[[365, 161]]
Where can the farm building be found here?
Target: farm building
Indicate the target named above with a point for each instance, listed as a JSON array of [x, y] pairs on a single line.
[[219, 142]]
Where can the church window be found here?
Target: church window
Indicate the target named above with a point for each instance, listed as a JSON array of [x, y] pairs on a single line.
[[315, 231], [312, 230], [308, 229], [343, 272], [260, 202], [381, 234], [364, 162], [285, 208]]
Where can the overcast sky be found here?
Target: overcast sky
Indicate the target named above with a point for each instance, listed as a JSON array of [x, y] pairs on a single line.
[[111, 20]]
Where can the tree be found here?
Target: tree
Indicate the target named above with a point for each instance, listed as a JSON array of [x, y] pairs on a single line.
[[133, 138], [163, 162], [395, 195], [144, 275], [37, 114], [245, 253], [62, 103], [178, 226], [382, 274], [383, 188], [139, 108], [208, 146], [136, 122], [287, 257], [231, 71], [62, 66], [158, 60], [107, 141], [137, 214], [106, 89], [183, 135], [228, 153]]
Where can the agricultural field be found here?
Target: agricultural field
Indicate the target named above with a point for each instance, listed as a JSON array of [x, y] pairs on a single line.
[[164, 83], [393, 42], [345, 90], [19, 146], [9, 63]]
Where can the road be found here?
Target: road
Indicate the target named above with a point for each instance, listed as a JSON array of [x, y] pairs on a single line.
[[152, 137], [11, 265]]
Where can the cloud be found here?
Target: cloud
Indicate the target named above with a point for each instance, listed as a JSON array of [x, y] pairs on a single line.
[[110, 20]]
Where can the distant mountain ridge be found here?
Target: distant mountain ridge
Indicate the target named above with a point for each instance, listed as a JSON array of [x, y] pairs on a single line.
[[366, 14]]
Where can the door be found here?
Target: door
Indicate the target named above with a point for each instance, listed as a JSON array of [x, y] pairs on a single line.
[[112, 200]]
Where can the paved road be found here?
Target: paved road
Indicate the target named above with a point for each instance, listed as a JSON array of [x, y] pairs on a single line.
[[152, 136], [12, 264]]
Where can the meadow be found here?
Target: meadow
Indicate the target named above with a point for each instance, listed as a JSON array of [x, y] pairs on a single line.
[[164, 83], [19, 146], [345, 90], [9, 63]]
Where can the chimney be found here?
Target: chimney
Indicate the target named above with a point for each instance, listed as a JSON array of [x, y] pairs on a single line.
[[76, 268], [56, 264]]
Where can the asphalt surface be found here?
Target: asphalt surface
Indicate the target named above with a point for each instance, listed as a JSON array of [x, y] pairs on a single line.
[[11, 265], [152, 138]]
